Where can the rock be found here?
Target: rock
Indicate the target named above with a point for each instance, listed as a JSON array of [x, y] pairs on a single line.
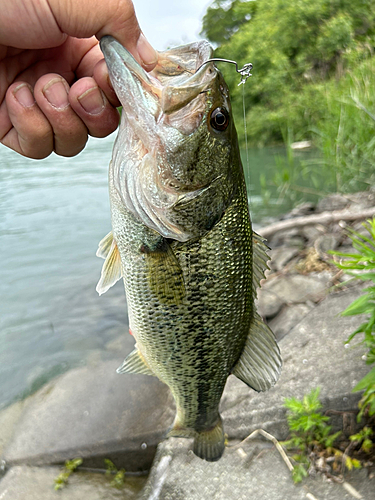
[[294, 288], [314, 355], [37, 483], [268, 303], [362, 200], [255, 471], [325, 243], [93, 413], [289, 317], [332, 202], [8, 420], [311, 233], [287, 237], [300, 210], [280, 256]]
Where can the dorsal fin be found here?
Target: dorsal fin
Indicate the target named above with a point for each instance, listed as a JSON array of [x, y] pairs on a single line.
[[260, 363], [260, 259], [111, 270], [134, 363]]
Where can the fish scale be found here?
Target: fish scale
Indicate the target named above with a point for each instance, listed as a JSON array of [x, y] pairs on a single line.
[[182, 242]]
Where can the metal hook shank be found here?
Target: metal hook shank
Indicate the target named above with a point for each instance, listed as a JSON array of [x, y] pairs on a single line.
[[244, 72]]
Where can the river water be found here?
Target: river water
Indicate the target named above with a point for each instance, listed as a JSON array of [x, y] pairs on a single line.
[[53, 213]]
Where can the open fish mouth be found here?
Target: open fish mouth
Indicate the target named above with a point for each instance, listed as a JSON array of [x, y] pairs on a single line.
[[171, 86]]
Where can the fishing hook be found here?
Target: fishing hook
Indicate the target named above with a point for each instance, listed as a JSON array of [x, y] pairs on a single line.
[[244, 72]]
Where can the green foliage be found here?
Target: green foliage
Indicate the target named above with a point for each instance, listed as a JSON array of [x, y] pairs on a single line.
[[314, 73], [308, 426], [363, 438], [70, 466], [118, 480], [310, 433], [362, 266]]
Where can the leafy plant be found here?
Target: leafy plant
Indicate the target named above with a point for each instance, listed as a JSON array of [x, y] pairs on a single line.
[[70, 466], [119, 474], [308, 426], [310, 432], [361, 266]]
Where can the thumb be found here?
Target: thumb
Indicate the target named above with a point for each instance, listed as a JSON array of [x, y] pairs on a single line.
[[85, 18]]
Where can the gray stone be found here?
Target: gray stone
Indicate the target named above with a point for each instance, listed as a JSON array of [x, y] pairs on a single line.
[[280, 256], [268, 303], [301, 209], [8, 421], [93, 413], [332, 202], [325, 243], [311, 233], [314, 355], [289, 317], [254, 472], [296, 288], [288, 237], [37, 483]]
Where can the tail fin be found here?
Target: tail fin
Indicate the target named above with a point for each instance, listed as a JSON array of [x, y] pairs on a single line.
[[208, 444]]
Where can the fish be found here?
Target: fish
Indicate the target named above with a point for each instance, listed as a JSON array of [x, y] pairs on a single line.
[[182, 239]]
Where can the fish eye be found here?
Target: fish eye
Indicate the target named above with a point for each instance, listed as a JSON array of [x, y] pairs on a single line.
[[219, 119]]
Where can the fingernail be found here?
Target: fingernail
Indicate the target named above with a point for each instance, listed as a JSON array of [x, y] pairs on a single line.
[[146, 52], [56, 93], [24, 95], [92, 101]]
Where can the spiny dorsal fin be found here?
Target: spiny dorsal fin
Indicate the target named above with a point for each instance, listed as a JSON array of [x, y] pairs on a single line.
[[165, 275], [260, 363], [105, 246], [260, 259], [111, 270], [134, 363]]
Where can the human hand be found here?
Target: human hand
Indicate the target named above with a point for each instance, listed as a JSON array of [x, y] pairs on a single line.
[[54, 85]]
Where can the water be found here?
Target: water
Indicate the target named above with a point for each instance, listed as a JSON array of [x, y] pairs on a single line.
[[53, 213]]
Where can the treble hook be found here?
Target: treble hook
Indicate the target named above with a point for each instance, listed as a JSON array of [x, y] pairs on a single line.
[[244, 72]]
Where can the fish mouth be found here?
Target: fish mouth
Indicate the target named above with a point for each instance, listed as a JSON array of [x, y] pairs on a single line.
[[176, 81]]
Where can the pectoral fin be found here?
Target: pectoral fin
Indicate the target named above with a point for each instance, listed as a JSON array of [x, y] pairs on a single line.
[[111, 270], [260, 363], [134, 363], [105, 246], [165, 275]]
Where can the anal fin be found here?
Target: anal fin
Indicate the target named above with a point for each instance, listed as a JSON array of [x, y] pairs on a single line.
[[134, 363], [260, 363]]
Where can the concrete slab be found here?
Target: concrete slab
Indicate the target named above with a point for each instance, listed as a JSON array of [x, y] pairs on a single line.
[[93, 413], [34, 483], [255, 472]]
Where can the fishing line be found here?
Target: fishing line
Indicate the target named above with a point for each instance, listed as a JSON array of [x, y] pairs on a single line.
[[247, 171]]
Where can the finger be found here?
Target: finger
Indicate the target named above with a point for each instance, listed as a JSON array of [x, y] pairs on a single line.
[[101, 77], [51, 93], [81, 19], [92, 106], [24, 128]]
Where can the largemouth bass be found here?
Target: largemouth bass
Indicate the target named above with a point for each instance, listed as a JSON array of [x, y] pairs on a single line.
[[182, 238]]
